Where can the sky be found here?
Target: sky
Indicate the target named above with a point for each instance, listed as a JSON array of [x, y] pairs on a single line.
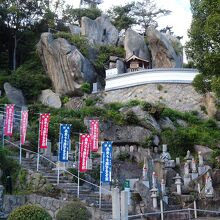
[[179, 19]]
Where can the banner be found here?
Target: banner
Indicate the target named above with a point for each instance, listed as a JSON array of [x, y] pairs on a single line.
[[64, 142], [106, 171], [23, 126], [44, 125], [84, 141], [94, 134], [9, 118]]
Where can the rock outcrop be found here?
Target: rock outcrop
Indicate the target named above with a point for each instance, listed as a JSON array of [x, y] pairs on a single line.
[[67, 68], [99, 31], [134, 44], [14, 95], [162, 50], [49, 98]]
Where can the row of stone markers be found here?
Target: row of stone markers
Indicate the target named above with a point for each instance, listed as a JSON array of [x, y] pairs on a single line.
[[191, 171]]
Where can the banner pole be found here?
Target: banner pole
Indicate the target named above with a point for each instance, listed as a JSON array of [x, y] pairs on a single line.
[[3, 129], [100, 184], [78, 170], [58, 164], [38, 148], [20, 140]]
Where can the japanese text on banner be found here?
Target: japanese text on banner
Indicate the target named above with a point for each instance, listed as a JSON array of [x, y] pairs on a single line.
[[84, 151], [44, 126], [23, 126], [94, 134], [9, 118], [106, 171], [64, 142]]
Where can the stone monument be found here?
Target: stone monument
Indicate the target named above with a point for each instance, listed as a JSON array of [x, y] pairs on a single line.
[[209, 191]]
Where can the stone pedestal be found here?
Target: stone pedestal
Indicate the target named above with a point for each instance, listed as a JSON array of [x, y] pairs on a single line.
[[154, 197], [178, 183], [124, 205], [115, 204]]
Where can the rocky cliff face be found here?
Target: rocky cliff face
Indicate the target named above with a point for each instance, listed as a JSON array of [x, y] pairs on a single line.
[[65, 65], [99, 31], [166, 50], [134, 44]]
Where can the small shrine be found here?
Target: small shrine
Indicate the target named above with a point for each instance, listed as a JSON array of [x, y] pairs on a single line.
[[135, 63]]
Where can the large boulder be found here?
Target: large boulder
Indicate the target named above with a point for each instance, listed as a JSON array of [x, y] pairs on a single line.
[[49, 98], [166, 50], [145, 119], [134, 44], [14, 95], [67, 68], [99, 31]]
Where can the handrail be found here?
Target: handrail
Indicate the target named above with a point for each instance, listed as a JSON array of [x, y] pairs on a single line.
[[171, 211], [65, 170]]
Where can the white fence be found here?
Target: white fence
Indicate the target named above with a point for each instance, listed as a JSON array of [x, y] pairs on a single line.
[[150, 76]]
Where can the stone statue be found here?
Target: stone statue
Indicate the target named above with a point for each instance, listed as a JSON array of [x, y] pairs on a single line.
[[165, 156], [201, 162], [209, 192], [188, 156], [186, 169], [193, 165]]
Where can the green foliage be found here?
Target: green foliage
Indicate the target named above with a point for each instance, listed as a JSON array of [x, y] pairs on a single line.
[[31, 78], [95, 173], [9, 167], [4, 100], [86, 88], [215, 85], [134, 102], [148, 143], [201, 83], [73, 210], [90, 101], [131, 119], [65, 99], [80, 42], [115, 106], [203, 47], [104, 52], [121, 16], [159, 87], [29, 212], [74, 15], [4, 77], [174, 115]]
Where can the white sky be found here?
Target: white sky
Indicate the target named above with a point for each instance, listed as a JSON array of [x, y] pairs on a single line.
[[179, 19]]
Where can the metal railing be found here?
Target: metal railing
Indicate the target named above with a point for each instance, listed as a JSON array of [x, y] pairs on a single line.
[[53, 163], [164, 217]]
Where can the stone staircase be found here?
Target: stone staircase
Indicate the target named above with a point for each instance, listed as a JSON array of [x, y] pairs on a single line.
[[66, 184]]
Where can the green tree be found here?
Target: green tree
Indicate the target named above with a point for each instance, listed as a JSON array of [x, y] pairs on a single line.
[[74, 15], [146, 13], [203, 47], [122, 16]]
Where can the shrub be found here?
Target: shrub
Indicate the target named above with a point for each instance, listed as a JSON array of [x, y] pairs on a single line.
[[86, 88], [123, 156], [215, 84], [72, 211], [80, 42], [201, 83], [29, 212], [90, 101], [31, 78]]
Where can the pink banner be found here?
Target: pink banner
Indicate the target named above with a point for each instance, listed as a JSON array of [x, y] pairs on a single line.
[[23, 126], [94, 134], [44, 126], [9, 118], [84, 140]]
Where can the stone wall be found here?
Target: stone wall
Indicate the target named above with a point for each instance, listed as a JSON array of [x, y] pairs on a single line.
[[181, 97], [50, 204]]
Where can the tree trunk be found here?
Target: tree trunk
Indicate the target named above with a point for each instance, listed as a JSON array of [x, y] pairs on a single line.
[[14, 53]]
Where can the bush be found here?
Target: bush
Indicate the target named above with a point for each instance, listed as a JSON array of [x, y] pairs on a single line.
[[86, 88], [31, 78], [72, 211], [201, 83], [80, 42], [29, 212], [215, 84]]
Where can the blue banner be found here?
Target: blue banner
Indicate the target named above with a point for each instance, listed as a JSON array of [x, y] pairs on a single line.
[[64, 142], [106, 171]]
